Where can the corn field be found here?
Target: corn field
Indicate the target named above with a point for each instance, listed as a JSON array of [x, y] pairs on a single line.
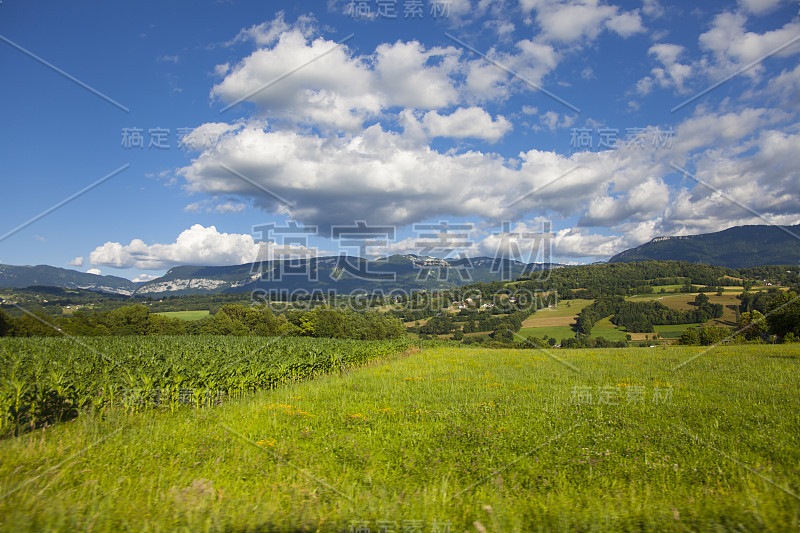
[[45, 380]]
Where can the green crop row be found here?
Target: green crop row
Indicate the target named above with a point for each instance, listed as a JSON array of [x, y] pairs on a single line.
[[43, 380]]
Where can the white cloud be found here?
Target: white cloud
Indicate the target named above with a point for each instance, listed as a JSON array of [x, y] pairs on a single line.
[[644, 86], [733, 47], [95, 271], [142, 278], [389, 177], [197, 245], [785, 86], [333, 89], [339, 90], [229, 207], [554, 121], [411, 76], [760, 7], [644, 201], [267, 33], [652, 8], [472, 122], [674, 73], [222, 70], [570, 21], [77, 262], [575, 243], [209, 206], [626, 24]]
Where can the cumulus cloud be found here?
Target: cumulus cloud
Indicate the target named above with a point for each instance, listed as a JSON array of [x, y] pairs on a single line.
[[95, 271], [77, 262], [726, 48], [471, 122], [652, 8], [395, 180], [569, 21], [143, 278], [732, 46], [333, 89], [760, 7], [554, 121], [643, 201], [267, 33], [671, 73], [339, 90], [197, 245]]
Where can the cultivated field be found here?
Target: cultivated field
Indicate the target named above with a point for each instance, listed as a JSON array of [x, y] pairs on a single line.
[[446, 439]]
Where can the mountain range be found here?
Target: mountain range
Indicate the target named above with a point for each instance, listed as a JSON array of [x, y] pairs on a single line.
[[342, 274], [737, 247]]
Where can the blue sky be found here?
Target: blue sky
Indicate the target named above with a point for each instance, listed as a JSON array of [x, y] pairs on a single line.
[[472, 113]]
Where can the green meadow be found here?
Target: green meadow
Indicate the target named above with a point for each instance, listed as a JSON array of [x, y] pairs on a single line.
[[186, 315], [443, 439]]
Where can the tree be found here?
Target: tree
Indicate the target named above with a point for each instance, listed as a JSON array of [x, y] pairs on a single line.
[[784, 315], [503, 335], [5, 324], [689, 337], [162, 325], [753, 325], [700, 300], [713, 334], [128, 320]]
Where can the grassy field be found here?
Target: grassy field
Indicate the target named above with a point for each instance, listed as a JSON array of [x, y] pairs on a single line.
[[556, 332], [673, 332], [604, 328], [186, 315], [478, 440], [554, 321]]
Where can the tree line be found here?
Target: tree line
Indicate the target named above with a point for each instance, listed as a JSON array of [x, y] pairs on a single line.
[[230, 319]]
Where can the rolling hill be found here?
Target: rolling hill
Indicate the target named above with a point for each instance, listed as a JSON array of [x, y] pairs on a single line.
[[65, 278], [737, 247]]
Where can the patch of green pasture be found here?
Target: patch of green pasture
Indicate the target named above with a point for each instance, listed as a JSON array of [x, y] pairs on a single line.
[[186, 315], [674, 331], [595, 440], [556, 332]]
